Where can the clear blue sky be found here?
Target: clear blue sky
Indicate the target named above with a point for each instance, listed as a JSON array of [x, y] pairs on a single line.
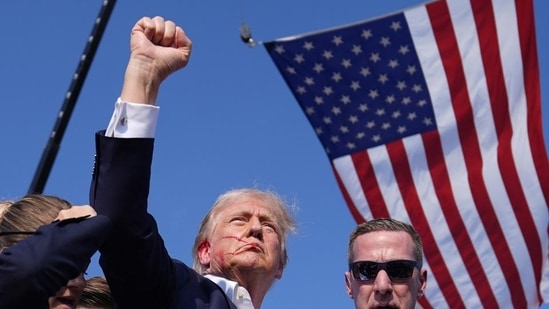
[[228, 120]]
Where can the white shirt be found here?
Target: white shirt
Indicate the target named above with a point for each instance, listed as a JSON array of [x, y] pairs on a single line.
[[236, 293], [132, 120]]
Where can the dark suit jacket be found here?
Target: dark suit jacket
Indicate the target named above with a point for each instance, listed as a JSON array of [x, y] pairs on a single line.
[[36, 268], [140, 272]]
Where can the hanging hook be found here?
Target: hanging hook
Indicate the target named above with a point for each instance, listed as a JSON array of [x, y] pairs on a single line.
[[246, 34]]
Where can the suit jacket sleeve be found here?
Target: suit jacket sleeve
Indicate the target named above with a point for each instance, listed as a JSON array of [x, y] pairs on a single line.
[[134, 259], [35, 268]]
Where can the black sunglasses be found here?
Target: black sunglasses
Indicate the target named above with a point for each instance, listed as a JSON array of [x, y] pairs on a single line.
[[17, 233], [397, 269]]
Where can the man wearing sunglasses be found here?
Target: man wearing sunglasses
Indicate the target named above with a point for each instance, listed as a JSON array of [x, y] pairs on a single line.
[[385, 257]]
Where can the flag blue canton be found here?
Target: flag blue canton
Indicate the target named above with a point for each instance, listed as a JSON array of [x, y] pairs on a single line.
[[360, 86]]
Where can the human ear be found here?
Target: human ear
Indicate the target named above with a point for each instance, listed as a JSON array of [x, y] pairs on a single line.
[[203, 252], [348, 284]]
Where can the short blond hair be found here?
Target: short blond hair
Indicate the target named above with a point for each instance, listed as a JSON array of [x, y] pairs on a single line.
[[28, 214]]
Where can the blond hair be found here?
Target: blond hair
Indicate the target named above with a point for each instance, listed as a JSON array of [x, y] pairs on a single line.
[[28, 214]]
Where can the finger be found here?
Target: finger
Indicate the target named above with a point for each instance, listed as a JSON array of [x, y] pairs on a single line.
[[181, 40], [169, 34], [158, 30], [146, 26]]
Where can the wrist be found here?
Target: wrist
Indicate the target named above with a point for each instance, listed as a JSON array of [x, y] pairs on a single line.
[[141, 82]]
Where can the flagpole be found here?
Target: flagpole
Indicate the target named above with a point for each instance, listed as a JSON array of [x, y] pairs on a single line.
[[52, 147]]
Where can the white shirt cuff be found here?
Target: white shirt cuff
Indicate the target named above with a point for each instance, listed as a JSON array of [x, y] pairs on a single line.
[[133, 120]]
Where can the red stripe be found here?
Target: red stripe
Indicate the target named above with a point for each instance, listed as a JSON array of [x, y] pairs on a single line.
[[491, 59], [528, 46], [370, 186], [443, 188], [449, 52], [412, 203]]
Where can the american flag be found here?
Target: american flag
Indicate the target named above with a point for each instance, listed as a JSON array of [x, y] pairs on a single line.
[[432, 116]]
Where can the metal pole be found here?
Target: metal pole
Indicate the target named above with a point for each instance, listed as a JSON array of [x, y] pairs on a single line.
[[50, 152]]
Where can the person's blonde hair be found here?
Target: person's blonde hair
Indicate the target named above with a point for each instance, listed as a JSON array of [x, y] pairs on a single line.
[[280, 210], [96, 294], [28, 214]]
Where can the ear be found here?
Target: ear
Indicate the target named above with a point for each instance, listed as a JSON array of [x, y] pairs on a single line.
[[348, 287], [422, 283], [203, 251]]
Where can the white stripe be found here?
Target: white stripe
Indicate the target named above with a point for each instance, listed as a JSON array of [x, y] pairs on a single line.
[[435, 77], [347, 173], [509, 45], [466, 33]]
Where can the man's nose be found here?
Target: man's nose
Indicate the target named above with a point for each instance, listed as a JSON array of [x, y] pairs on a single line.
[[255, 228]]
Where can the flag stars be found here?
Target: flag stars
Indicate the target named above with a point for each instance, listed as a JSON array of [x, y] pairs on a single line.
[[406, 100], [346, 63], [291, 70], [422, 103], [327, 120], [319, 100], [417, 88], [386, 126], [390, 99], [357, 49], [309, 81], [411, 69], [299, 58], [366, 34], [412, 116], [396, 114], [353, 119], [383, 78], [308, 46], [327, 90], [374, 57], [365, 72], [327, 54], [404, 49], [279, 49], [363, 107], [373, 94], [370, 124], [428, 121], [385, 41], [401, 85], [337, 40], [401, 129], [309, 110], [319, 131], [393, 63], [336, 77], [360, 135], [380, 112], [351, 145], [318, 67], [376, 138], [336, 110], [334, 139], [395, 25], [344, 129], [345, 99], [301, 90], [355, 85]]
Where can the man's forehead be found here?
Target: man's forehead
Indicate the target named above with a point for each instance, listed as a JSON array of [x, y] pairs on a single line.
[[383, 246]]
